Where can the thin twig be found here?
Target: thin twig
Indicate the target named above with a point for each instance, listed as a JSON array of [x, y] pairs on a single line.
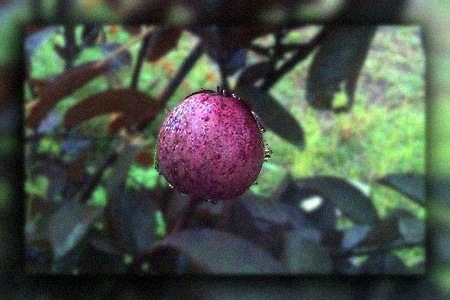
[[84, 194], [301, 54], [71, 47], [147, 46], [125, 46]]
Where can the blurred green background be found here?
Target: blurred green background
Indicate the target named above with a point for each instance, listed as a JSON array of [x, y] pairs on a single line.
[[383, 133], [432, 14]]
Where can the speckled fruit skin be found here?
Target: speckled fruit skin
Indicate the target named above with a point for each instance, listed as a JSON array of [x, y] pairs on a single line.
[[210, 146]]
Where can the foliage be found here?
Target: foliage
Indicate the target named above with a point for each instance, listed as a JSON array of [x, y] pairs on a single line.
[[344, 191]]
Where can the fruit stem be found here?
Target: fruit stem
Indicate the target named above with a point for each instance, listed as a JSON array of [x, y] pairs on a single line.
[[187, 214]]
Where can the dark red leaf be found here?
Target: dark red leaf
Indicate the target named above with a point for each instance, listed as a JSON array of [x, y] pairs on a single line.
[[144, 158], [51, 90], [165, 41], [76, 169], [133, 105]]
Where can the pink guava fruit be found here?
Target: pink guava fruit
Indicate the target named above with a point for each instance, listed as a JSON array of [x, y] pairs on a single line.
[[210, 146]]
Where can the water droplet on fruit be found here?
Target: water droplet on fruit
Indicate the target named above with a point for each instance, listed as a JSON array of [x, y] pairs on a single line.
[[267, 153], [255, 183], [170, 185]]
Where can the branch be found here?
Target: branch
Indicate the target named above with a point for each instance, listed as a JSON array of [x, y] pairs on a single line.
[[84, 194], [125, 46], [148, 44], [301, 54]]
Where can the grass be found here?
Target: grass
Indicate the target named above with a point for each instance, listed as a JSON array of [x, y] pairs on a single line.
[[385, 130]]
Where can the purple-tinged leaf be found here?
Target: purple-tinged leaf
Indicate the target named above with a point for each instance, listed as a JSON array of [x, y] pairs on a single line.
[[50, 122], [273, 211], [354, 236], [69, 226], [224, 253], [303, 253], [129, 216]]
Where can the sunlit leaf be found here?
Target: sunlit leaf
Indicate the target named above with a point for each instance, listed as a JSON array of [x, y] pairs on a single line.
[[56, 174], [411, 185], [69, 226], [324, 216], [304, 255], [337, 64], [273, 116], [224, 253], [345, 196]]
